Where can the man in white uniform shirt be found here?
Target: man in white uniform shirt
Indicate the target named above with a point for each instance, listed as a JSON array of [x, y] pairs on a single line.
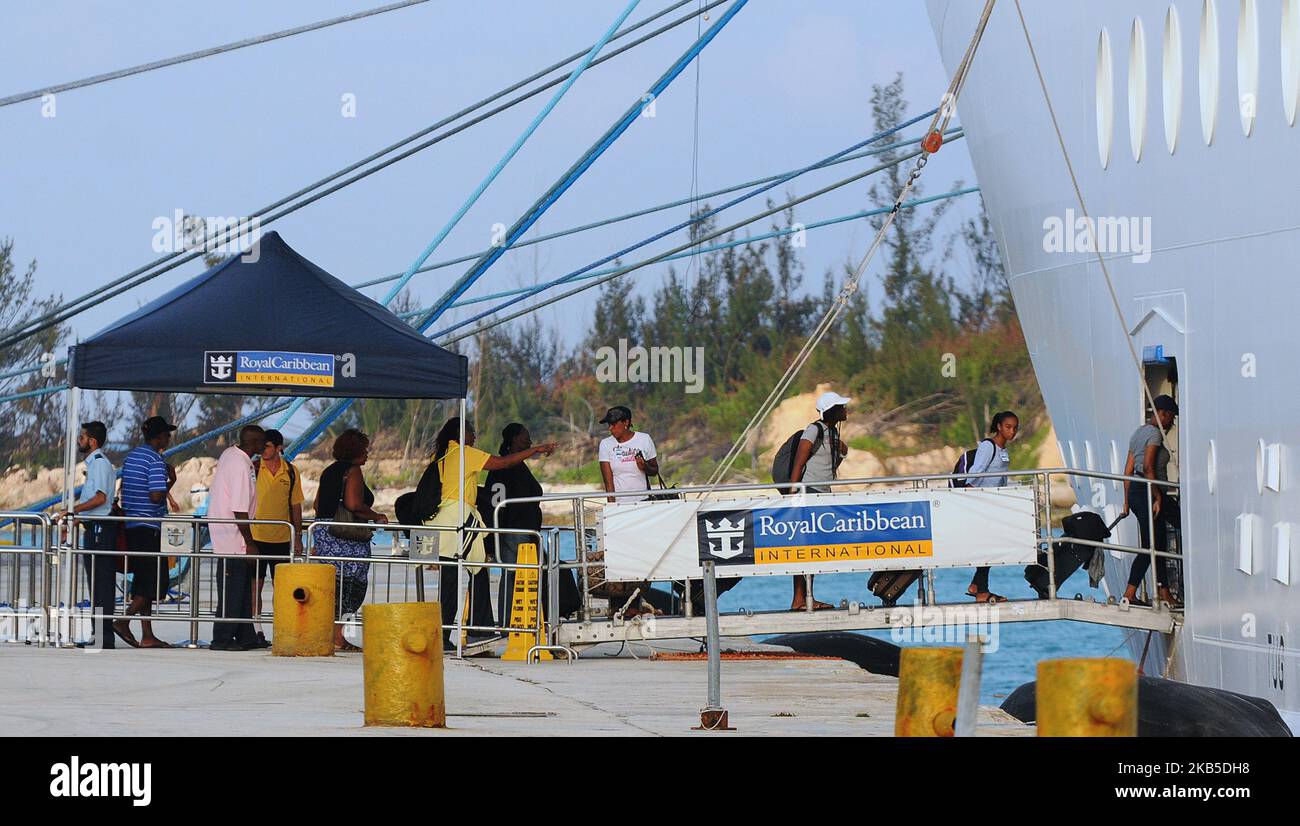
[[626, 458], [234, 496]]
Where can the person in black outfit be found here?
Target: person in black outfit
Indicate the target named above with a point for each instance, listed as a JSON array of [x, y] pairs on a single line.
[[518, 482], [1149, 457]]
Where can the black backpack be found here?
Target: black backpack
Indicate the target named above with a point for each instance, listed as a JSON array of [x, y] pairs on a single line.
[[421, 504], [964, 462], [783, 461]]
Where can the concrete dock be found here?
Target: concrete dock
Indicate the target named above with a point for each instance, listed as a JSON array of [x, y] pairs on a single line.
[[198, 693]]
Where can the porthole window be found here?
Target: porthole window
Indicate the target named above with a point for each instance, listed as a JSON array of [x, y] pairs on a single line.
[[1137, 88], [1290, 59], [1172, 72], [1105, 99], [1209, 70], [1212, 467], [1247, 65]]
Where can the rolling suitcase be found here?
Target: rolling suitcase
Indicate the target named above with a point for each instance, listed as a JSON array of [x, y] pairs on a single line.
[[1069, 556], [890, 585]]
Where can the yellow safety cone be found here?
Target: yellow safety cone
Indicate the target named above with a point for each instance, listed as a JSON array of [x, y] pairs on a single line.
[[403, 664], [303, 610], [1087, 697], [928, 681], [525, 607]]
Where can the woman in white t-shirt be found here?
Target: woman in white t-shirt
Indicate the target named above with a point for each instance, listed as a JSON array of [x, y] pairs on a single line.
[[627, 458], [990, 457]]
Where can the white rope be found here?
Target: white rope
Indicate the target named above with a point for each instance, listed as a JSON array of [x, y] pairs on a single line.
[[937, 124]]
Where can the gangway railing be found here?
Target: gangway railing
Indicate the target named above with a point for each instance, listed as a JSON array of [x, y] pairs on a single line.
[[589, 629]]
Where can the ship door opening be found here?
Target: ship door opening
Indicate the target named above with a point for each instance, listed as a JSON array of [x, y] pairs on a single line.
[[1161, 374]]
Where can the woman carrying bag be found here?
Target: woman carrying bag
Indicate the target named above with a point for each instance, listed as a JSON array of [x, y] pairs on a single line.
[[467, 546], [343, 496]]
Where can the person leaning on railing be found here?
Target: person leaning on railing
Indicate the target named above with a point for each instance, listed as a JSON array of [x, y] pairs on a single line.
[[343, 486], [1148, 456]]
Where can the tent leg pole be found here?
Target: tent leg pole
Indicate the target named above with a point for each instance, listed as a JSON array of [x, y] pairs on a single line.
[[66, 582], [460, 539]]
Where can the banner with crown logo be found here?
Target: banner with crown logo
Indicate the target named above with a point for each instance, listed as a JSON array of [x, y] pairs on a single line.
[[820, 533]]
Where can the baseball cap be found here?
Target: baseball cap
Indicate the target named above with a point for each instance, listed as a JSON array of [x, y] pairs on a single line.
[[829, 399], [156, 425], [1166, 403], [617, 413]]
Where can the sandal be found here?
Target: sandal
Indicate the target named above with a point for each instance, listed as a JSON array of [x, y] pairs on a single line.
[[347, 646], [990, 598]]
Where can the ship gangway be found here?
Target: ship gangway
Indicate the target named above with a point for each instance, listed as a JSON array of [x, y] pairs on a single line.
[[925, 524]]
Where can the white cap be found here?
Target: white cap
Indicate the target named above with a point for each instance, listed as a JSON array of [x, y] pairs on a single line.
[[828, 400]]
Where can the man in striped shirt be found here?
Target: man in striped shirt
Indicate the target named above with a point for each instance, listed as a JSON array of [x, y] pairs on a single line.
[[146, 480]]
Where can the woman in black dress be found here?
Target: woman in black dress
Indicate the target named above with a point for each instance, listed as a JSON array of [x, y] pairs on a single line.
[[518, 482]]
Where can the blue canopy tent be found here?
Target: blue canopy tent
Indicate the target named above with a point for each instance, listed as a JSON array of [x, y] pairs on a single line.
[[267, 322]]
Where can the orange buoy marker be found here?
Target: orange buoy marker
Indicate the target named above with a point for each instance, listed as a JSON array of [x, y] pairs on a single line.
[[1087, 697], [525, 607], [928, 681], [931, 142]]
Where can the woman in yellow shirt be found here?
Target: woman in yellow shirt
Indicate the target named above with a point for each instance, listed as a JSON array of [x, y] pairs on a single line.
[[447, 452]]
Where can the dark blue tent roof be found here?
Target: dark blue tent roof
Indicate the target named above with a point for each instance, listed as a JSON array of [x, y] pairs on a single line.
[[275, 325]]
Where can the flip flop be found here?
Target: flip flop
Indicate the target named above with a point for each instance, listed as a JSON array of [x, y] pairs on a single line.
[[347, 646], [990, 598], [154, 644]]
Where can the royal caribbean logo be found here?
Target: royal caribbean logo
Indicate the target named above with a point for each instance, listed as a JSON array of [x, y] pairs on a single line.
[[725, 537], [268, 367], [820, 533]]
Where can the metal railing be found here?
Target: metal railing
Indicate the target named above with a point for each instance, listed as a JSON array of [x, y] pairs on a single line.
[[25, 587], [1040, 478], [58, 585]]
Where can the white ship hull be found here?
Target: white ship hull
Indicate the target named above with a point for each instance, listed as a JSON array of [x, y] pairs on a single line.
[[1219, 292]]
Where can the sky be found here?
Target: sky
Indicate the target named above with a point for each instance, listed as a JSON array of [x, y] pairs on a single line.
[[786, 83]]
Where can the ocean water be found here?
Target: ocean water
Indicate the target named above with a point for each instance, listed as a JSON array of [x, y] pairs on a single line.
[[1019, 645]]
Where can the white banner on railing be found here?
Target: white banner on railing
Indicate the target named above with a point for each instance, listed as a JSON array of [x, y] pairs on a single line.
[[820, 533]]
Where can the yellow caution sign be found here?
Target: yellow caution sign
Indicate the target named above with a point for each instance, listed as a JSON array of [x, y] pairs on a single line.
[[525, 607]]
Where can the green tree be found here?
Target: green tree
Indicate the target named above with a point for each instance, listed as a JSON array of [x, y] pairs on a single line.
[[31, 428]]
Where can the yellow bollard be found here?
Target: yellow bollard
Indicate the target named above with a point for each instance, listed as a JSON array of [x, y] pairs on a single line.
[[1087, 697], [928, 679], [525, 606], [303, 610], [403, 664]]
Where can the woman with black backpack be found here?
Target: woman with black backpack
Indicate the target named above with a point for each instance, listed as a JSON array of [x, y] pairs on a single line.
[[991, 456]]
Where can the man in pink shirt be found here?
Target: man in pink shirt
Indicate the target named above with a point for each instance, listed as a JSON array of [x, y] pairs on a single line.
[[234, 496]]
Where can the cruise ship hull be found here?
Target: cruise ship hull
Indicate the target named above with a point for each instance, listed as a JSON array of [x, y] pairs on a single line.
[[1215, 289]]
